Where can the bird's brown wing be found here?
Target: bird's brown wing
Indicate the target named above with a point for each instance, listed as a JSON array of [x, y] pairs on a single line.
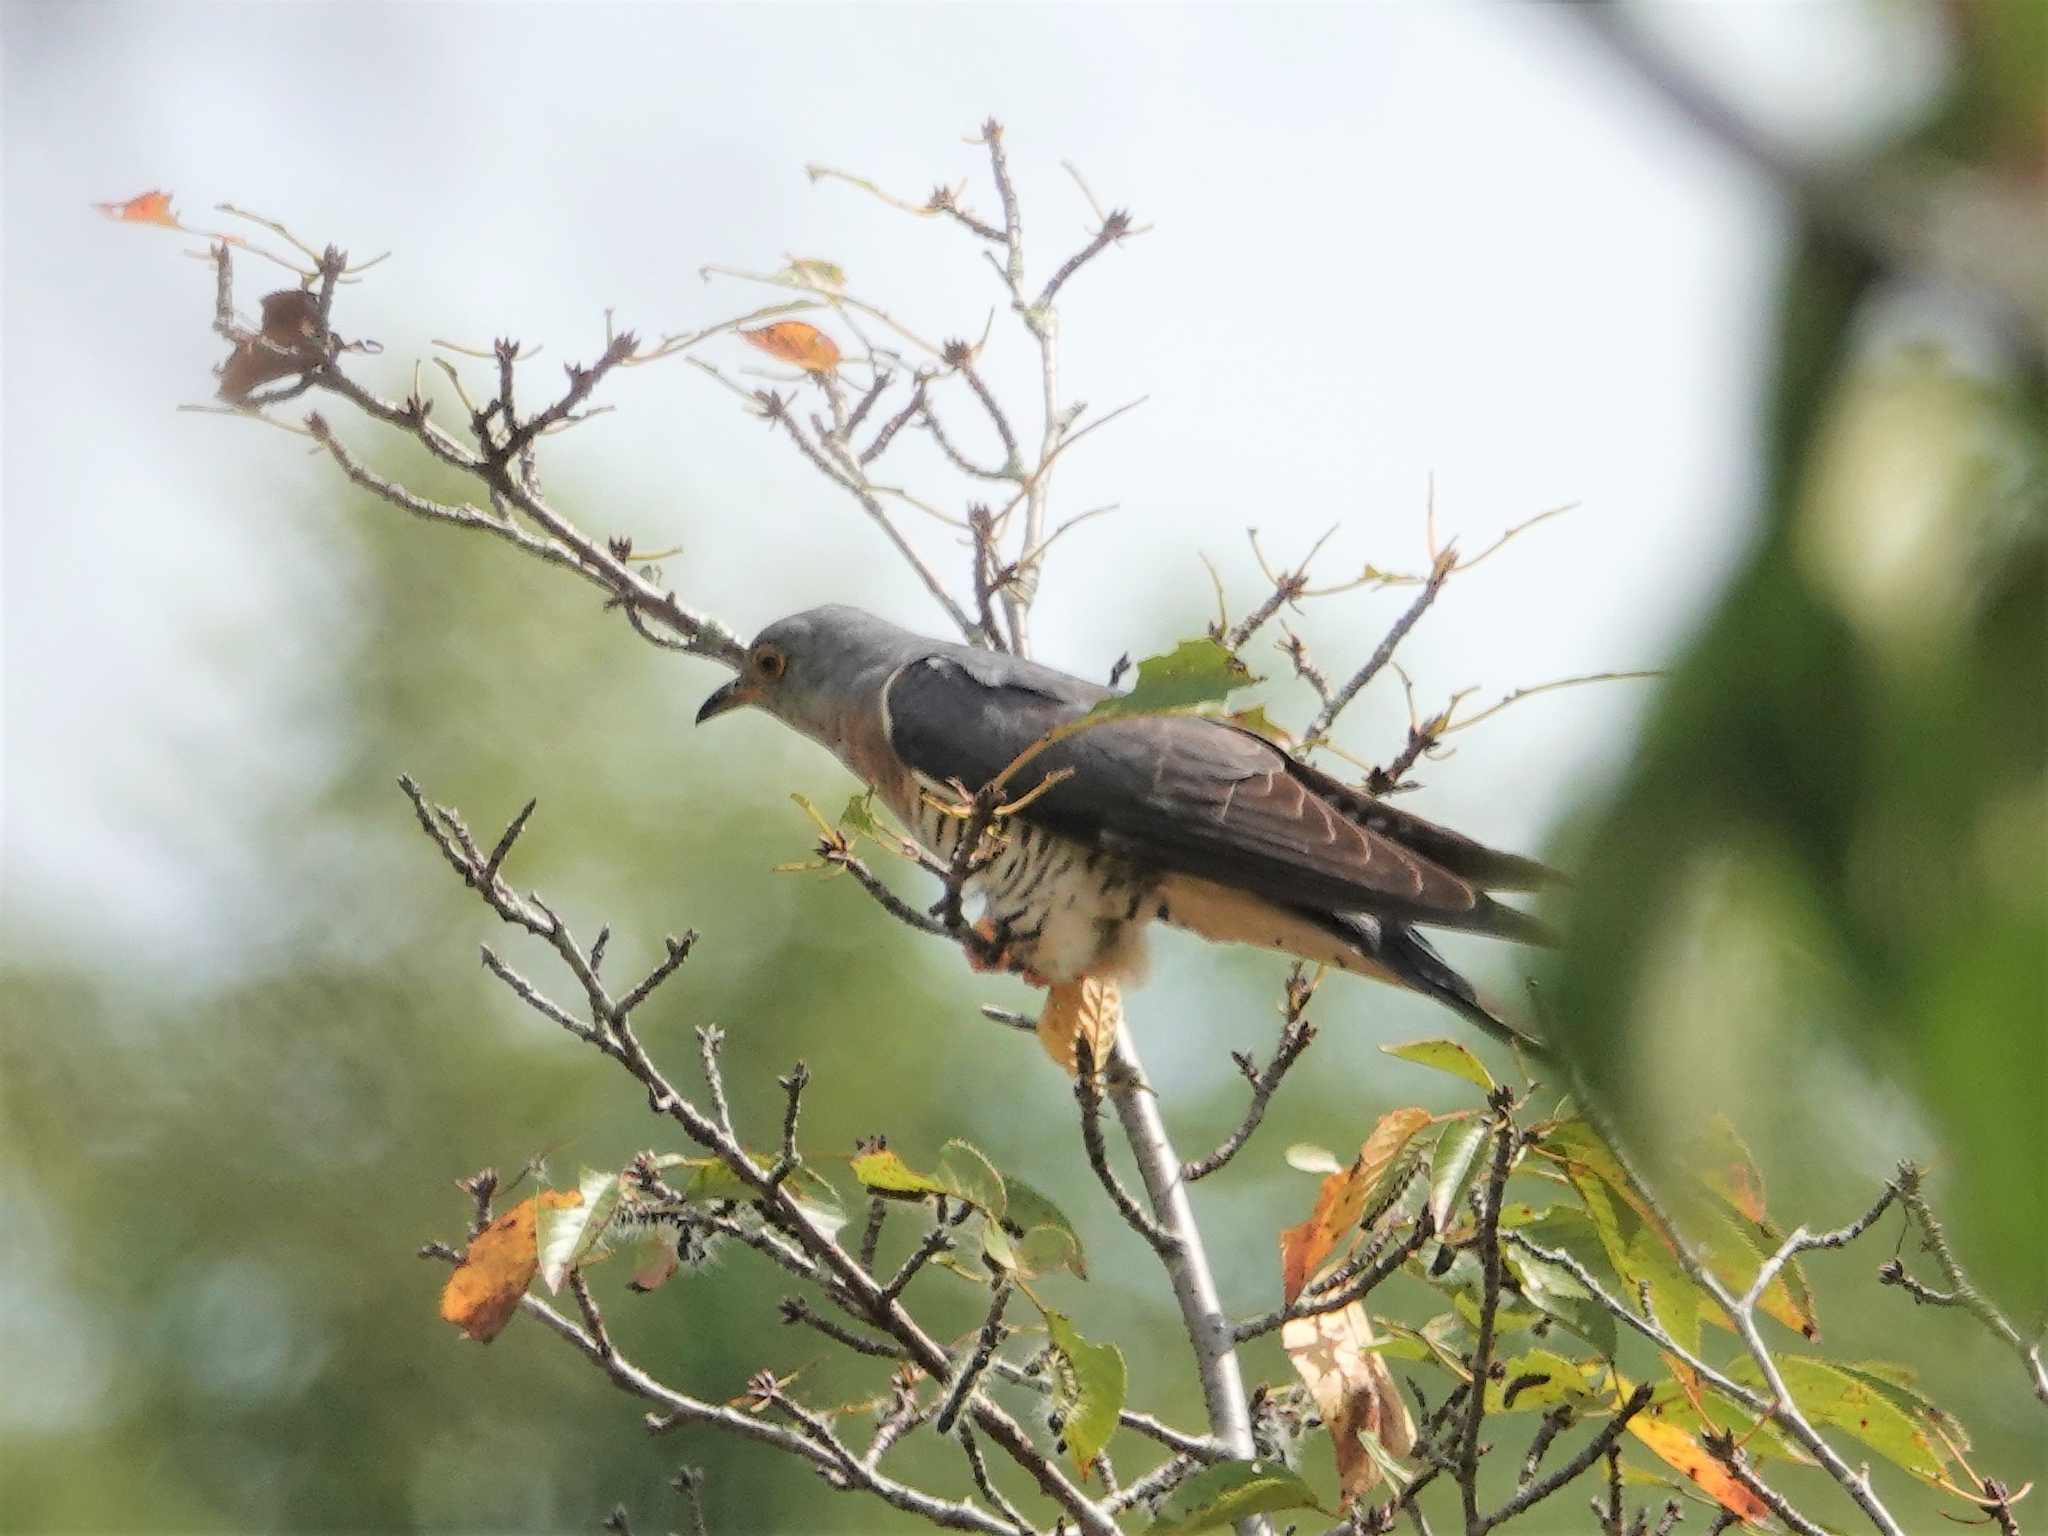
[[1189, 796]]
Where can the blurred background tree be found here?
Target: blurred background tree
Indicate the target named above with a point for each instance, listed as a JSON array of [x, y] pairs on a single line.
[[1815, 898]]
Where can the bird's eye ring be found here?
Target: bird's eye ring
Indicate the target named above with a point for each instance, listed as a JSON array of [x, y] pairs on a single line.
[[770, 663]]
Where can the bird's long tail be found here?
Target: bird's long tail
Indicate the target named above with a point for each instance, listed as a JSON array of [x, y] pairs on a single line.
[[1410, 956]]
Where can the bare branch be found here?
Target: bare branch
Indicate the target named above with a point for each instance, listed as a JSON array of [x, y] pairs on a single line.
[[1961, 1293], [1295, 1035]]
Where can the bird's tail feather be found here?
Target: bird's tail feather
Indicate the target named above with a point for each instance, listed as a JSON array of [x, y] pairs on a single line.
[[1409, 956]]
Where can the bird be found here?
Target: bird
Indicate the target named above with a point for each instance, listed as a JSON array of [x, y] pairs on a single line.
[[1182, 819]]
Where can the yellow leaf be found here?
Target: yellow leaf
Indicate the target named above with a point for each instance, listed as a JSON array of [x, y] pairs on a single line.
[[1342, 1200], [1088, 1010], [795, 342], [483, 1293], [1353, 1389], [1675, 1448]]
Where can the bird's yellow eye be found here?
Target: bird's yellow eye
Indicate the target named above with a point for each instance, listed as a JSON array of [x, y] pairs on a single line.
[[770, 663]]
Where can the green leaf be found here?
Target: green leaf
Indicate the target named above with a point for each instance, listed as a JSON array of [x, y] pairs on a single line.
[[565, 1235], [1556, 1292], [1444, 1056], [1398, 1342], [1899, 1383], [996, 1246], [1259, 723], [712, 1179], [887, 1174], [1046, 1240], [971, 1177], [1092, 1391], [828, 275], [859, 815], [1634, 1247], [1194, 672], [1857, 1406], [1453, 1164], [1736, 1248], [1540, 1379], [1227, 1492], [1397, 1472]]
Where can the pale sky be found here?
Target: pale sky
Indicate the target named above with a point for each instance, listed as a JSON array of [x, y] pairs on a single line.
[[1388, 243]]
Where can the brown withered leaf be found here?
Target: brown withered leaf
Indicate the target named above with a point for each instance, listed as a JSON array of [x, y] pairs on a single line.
[[795, 342], [1676, 1448], [1080, 1010], [292, 331], [483, 1293], [1353, 1390], [1342, 1200]]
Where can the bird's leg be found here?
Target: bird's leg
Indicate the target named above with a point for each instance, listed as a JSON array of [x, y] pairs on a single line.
[[993, 954]]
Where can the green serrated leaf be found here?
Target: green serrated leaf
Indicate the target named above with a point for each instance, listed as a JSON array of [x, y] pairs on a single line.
[[1445, 1056], [1556, 1292], [1453, 1165], [1094, 1390], [1858, 1407], [1901, 1385], [973, 1178], [887, 1174], [565, 1235], [1193, 673], [1639, 1255], [1229, 1491], [859, 815], [1046, 1240], [996, 1246]]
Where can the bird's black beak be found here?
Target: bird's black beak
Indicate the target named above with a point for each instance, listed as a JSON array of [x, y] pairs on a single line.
[[731, 696]]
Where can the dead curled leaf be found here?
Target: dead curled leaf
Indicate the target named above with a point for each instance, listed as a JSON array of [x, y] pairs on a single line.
[[1074, 1011], [1342, 1199], [1353, 1390], [792, 341], [483, 1293], [291, 343]]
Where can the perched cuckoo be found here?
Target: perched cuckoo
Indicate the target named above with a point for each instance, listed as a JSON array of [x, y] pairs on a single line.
[[1179, 819]]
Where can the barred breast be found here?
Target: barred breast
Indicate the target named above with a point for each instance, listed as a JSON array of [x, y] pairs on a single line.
[[1063, 910]]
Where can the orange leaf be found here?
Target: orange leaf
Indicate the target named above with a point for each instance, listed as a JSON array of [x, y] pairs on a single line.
[[149, 208], [1676, 1448], [1352, 1388], [1088, 1010], [794, 342], [1341, 1201], [483, 1293]]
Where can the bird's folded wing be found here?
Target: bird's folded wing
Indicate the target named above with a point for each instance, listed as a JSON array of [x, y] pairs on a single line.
[[1183, 794]]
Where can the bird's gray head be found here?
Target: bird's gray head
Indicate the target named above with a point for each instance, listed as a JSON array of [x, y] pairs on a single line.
[[812, 670]]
